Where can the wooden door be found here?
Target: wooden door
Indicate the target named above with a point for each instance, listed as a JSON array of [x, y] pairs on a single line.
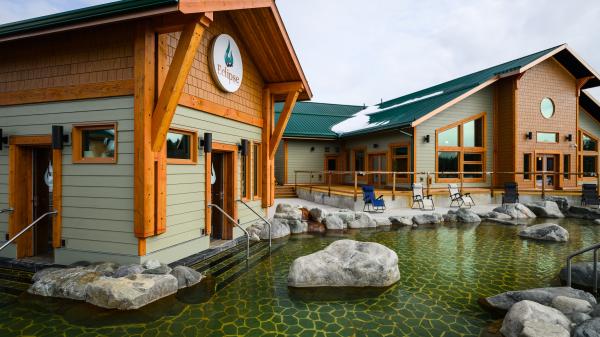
[[377, 162], [547, 163], [331, 164], [217, 194], [42, 233]]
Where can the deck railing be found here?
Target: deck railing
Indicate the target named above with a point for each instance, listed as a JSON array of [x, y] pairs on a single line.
[[411, 176]]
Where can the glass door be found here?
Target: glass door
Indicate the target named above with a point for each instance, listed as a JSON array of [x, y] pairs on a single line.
[[547, 163], [377, 162]]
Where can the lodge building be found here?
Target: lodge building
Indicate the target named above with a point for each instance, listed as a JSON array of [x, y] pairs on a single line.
[[118, 117], [524, 116]]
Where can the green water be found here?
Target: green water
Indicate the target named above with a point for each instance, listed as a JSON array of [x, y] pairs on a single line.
[[444, 271]]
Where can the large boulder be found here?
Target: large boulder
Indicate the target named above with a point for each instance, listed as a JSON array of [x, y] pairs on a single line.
[[186, 276], [462, 215], [570, 305], [64, 283], [162, 269], [589, 328], [333, 221], [516, 211], [346, 263], [382, 222], [104, 268], [427, 219], [494, 215], [546, 232], [581, 212], [317, 214], [279, 229], [298, 226], [151, 264], [503, 302], [132, 292], [401, 221], [294, 214], [562, 202], [362, 220], [582, 274], [545, 209], [528, 311], [128, 269], [543, 329], [284, 208]]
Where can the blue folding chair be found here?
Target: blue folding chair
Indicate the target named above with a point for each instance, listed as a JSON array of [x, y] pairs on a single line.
[[372, 204]]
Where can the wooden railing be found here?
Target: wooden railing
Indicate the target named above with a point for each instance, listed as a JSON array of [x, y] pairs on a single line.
[[414, 175]]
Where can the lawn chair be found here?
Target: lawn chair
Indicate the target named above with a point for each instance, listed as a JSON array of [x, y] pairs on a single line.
[[458, 199], [372, 204], [425, 202], [589, 195], [511, 193]]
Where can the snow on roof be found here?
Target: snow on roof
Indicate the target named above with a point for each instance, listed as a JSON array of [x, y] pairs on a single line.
[[360, 120]]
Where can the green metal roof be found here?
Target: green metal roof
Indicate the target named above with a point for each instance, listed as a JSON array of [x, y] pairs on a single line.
[[311, 119], [402, 111], [82, 14]]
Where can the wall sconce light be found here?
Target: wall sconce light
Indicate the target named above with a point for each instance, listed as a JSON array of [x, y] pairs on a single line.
[[58, 137], [206, 142], [569, 137], [3, 139], [312, 149], [426, 139], [529, 135], [375, 146], [243, 147]]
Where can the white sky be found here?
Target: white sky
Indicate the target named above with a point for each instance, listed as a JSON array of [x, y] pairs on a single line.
[[357, 52]]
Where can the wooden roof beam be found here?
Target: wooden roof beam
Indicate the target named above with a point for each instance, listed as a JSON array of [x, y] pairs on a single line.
[[168, 99], [285, 87], [198, 6], [581, 82], [284, 117]]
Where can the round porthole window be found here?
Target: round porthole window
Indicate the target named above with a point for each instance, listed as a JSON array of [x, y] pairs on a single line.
[[547, 107]]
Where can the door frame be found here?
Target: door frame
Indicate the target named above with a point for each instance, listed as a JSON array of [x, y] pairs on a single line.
[[334, 177], [558, 164], [230, 152], [383, 155], [20, 166]]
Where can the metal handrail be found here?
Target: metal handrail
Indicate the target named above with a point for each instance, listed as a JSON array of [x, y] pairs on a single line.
[[27, 228], [261, 217], [235, 223], [7, 210], [595, 248]]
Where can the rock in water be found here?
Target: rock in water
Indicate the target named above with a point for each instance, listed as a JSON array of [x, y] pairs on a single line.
[[463, 215], [562, 202], [516, 211], [298, 226], [65, 283], [569, 305], [547, 232], [503, 302], [382, 222], [279, 229], [317, 214], [401, 221], [346, 263], [332, 221], [427, 219], [362, 220], [581, 212], [582, 274], [151, 264], [524, 311], [545, 209], [494, 215], [186, 277], [589, 328], [160, 270], [132, 292], [284, 208], [543, 329], [128, 269]]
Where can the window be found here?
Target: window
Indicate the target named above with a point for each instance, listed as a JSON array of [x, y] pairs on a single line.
[[547, 137], [95, 143], [400, 161], [527, 166], [547, 107], [245, 177], [256, 170], [589, 144], [359, 160], [461, 148], [182, 147], [590, 166], [589, 154], [567, 166]]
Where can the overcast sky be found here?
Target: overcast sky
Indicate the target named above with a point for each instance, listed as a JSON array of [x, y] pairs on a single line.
[[357, 52]]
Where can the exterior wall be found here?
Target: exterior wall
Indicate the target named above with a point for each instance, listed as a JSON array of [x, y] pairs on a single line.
[[477, 103], [301, 158], [589, 123], [186, 186], [97, 219], [504, 133], [280, 163], [547, 79], [73, 58], [248, 99]]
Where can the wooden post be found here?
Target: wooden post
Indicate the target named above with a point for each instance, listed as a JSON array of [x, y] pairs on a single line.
[[355, 185], [394, 186], [329, 184], [310, 181], [543, 184], [428, 183], [295, 180], [492, 184], [597, 181], [462, 177]]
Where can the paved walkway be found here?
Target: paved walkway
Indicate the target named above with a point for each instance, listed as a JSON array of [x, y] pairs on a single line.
[[388, 213]]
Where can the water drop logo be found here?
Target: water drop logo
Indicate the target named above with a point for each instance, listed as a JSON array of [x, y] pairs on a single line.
[[228, 55]]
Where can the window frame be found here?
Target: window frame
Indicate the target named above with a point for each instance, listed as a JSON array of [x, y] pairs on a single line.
[[566, 166], [587, 153], [529, 171], [77, 145], [256, 155], [193, 148], [364, 151], [557, 139], [392, 156], [461, 149]]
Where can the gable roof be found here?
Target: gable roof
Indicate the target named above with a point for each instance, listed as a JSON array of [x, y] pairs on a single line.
[[314, 120], [258, 21], [590, 104], [412, 109]]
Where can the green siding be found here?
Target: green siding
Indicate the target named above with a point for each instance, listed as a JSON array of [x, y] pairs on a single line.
[[301, 158], [97, 198], [588, 123], [470, 106]]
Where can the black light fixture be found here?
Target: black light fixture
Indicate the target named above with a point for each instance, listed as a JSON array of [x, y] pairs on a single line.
[[529, 135], [569, 137], [375, 146], [243, 147], [3, 139], [58, 137], [426, 139], [312, 149], [207, 142]]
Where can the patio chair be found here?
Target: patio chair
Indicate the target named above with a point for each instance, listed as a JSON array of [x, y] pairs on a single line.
[[458, 199], [589, 195], [425, 202], [511, 193], [372, 204]]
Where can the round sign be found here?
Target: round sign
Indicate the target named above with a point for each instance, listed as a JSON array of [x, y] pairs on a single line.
[[226, 63]]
